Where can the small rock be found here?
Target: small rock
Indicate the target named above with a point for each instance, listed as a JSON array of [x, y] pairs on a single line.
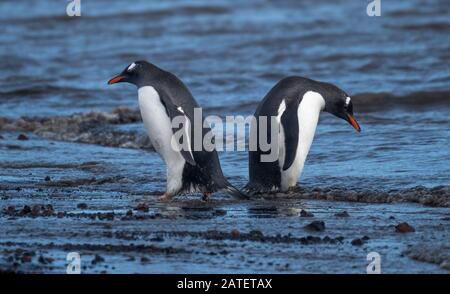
[[339, 238], [256, 235], [36, 210], [404, 228], [220, 212], [157, 239], [25, 210], [129, 213], [47, 179], [144, 259], [10, 210], [1, 137], [304, 213], [235, 233], [143, 207], [357, 242], [26, 257], [22, 137], [342, 214], [317, 226], [365, 238], [97, 259], [82, 205], [45, 260], [107, 216]]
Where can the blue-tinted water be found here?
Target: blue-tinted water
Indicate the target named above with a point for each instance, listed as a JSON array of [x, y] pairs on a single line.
[[230, 54]]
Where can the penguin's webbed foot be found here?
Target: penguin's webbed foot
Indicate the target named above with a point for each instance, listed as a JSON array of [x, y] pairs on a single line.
[[205, 196], [165, 197]]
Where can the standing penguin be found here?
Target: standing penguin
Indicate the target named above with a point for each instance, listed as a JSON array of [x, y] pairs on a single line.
[[296, 103], [162, 97]]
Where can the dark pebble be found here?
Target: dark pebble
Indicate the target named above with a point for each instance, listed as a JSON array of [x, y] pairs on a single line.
[[157, 239], [220, 212], [47, 179], [82, 205], [25, 210], [11, 210], [27, 257], [143, 207], [235, 233], [317, 226], [97, 259], [36, 210], [22, 137], [342, 214], [304, 213], [404, 228], [256, 235], [129, 213], [144, 259], [45, 260], [357, 242]]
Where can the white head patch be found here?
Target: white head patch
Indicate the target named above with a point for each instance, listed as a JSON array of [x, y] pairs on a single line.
[[131, 67], [347, 101]]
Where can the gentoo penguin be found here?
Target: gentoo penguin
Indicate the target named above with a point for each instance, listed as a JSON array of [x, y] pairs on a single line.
[[295, 103], [162, 97]]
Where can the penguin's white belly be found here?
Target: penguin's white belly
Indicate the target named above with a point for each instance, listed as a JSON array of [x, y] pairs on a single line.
[[159, 129], [308, 116]]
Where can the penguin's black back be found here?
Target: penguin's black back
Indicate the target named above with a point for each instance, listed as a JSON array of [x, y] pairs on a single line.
[[266, 176]]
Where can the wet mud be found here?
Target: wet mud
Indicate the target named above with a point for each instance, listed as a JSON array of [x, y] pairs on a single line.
[[107, 210]]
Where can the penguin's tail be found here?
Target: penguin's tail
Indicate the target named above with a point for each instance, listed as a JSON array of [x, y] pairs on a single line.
[[254, 188], [231, 190]]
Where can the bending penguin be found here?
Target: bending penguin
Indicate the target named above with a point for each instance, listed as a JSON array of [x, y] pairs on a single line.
[[296, 103], [162, 97]]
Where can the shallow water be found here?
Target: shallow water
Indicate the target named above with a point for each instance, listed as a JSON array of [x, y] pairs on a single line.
[[229, 54]]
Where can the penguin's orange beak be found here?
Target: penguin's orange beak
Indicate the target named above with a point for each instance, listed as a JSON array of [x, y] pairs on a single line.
[[116, 79], [353, 122]]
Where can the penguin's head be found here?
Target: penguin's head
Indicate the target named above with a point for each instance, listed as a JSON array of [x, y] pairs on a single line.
[[136, 73], [338, 103]]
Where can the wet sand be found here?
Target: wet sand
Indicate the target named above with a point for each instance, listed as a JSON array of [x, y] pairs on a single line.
[[65, 201]]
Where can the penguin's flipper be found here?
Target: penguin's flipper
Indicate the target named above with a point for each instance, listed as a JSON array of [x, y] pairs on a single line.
[[174, 111], [289, 121]]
